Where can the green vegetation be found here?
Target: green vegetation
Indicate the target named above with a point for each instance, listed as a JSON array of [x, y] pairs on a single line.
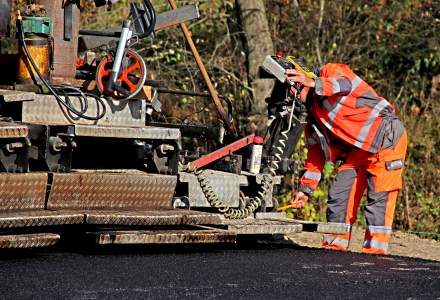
[[394, 45]]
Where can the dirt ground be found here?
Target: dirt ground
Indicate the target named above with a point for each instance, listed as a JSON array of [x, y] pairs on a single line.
[[402, 244]]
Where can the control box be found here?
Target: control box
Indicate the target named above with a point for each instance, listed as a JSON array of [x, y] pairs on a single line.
[[277, 66]]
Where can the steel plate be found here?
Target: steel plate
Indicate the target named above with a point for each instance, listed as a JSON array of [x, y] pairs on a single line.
[[309, 226], [22, 191], [226, 185], [149, 132], [111, 190], [28, 240], [164, 237], [13, 96], [258, 226], [39, 218], [335, 228], [45, 109], [157, 217]]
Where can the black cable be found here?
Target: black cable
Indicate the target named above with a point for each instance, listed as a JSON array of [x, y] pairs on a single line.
[[64, 89], [152, 13]]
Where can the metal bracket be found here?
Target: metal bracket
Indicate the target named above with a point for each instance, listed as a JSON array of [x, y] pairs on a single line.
[[91, 39], [68, 20]]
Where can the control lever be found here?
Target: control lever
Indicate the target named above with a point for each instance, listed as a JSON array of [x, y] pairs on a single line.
[[120, 53]]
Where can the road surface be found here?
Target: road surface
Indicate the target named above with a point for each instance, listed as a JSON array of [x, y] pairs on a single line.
[[214, 272]]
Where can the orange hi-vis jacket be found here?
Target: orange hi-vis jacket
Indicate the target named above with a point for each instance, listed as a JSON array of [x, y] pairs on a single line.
[[345, 112]]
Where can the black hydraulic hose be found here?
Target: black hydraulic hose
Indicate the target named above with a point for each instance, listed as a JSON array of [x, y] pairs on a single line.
[[152, 13], [68, 105], [73, 92]]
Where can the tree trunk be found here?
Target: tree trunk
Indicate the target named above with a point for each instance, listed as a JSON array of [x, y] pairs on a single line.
[[258, 41], [5, 7]]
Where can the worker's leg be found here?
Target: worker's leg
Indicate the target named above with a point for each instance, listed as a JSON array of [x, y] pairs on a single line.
[[344, 197], [379, 212], [384, 183]]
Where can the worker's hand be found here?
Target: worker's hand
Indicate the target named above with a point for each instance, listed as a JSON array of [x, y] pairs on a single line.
[[294, 75], [299, 200]]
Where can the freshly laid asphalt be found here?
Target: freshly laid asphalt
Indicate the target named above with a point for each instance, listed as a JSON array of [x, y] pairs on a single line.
[[214, 272]]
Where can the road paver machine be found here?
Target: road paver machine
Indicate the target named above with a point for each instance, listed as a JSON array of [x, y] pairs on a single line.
[[80, 149]]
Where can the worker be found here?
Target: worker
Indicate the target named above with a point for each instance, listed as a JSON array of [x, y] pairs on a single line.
[[350, 122]]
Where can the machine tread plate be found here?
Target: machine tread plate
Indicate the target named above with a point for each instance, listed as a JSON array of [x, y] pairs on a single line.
[[22, 191], [97, 190], [320, 227], [261, 226], [39, 218], [163, 237], [45, 109], [153, 217], [225, 185], [309, 226], [146, 132], [33, 240]]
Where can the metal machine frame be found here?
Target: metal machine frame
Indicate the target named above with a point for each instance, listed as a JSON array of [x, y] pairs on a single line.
[[61, 168]]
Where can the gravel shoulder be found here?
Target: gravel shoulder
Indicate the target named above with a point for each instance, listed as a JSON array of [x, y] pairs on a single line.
[[402, 244]]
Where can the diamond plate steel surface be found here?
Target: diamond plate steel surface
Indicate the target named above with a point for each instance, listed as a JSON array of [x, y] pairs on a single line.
[[149, 132], [45, 109], [271, 215], [259, 226], [335, 228], [95, 190], [39, 218], [164, 237], [28, 240], [155, 217], [22, 191], [309, 226], [226, 185], [13, 130]]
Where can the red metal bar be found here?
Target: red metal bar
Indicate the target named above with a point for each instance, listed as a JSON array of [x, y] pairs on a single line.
[[222, 152]]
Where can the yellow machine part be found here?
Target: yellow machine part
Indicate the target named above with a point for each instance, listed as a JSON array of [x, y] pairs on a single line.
[[300, 67], [39, 48]]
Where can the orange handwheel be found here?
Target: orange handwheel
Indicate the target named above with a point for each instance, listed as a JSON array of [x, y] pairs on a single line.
[[130, 80]]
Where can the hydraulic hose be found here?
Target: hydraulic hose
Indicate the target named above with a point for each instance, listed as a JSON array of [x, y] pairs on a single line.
[[266, 182], [64, 89], [152, 14], [281, 145]]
